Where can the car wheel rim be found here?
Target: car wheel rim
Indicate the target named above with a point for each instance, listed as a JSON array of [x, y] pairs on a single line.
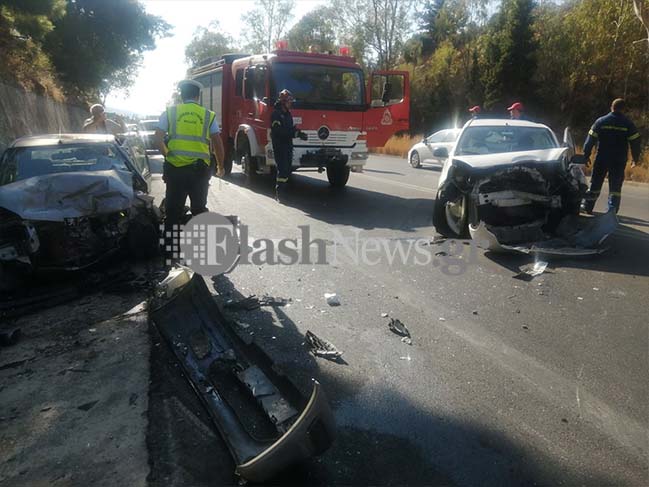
[[455, 214], [414, 159]]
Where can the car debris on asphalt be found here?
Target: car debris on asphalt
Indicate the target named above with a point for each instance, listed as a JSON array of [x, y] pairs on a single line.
[[397, 327], [252, 302], [321, 347], [332, 299], [529, 272]]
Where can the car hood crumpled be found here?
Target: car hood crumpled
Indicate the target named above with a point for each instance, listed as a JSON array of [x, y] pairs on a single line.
[[55, 197], [484, 161]]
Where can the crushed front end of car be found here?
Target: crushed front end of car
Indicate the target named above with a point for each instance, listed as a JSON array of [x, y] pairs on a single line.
[[70, 221], [526, 203]]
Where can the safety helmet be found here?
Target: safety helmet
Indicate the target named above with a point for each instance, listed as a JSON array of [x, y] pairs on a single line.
[[516, 106], [286, 95], [475, 109]]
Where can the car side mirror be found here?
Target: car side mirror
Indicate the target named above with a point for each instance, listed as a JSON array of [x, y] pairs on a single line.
[[578, 159], [441, 152]]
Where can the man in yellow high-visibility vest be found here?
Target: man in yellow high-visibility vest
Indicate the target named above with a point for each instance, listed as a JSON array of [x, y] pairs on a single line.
[[191, 128]]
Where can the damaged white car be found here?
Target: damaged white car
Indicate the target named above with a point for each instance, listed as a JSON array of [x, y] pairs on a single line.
[[66, 201], [510, 185]]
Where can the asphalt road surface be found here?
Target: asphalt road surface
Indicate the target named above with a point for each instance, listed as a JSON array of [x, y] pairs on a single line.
[[507, 382]]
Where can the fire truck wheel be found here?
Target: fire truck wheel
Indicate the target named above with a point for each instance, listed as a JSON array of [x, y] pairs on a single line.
[[247, 161], [338, 175], [227, 165]]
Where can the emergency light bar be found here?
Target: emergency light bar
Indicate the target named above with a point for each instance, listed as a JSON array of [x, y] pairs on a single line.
[[281, 45], [345, 51]]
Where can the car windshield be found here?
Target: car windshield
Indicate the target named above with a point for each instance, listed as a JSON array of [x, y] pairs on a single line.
[[318, 86], [149, 125], [28, 162], [495, 140]]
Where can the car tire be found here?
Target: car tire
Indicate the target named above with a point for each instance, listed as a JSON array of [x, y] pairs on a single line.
[[451, 215], [415, 159], [338, 175]]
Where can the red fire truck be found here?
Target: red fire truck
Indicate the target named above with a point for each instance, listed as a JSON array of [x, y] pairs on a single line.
[[342, 115]]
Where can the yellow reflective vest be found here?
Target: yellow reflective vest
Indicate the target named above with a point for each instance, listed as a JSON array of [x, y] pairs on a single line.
[[189, 134]]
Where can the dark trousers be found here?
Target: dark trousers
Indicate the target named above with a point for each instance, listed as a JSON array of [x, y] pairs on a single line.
[[283, 152], [192, 181], [615, 172]]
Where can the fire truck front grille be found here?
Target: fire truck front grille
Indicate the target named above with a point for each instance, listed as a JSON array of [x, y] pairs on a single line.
[[335, 139]]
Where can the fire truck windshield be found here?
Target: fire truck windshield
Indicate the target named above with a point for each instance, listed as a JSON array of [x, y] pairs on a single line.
[[319, 86]]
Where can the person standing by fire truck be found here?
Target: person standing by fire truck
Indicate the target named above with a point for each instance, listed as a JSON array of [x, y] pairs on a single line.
[[186, 172], [282, 133]]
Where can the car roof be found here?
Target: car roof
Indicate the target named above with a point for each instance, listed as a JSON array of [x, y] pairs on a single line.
[[61, 139], [503, 122]]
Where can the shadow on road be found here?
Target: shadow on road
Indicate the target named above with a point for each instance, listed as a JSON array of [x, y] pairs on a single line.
[[353, 206], [383, 172], [633, 221], [382, 437], [625, 245]]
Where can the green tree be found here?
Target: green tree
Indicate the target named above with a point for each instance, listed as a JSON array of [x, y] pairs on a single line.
[[208, 42], [376, 30], [510, 54], [315, 29], [31, 18], [98, 45], [23, 25], [266, 24]]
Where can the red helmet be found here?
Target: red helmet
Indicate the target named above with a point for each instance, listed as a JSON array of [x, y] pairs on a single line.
[[475, 109], [286, 95], [516, 106]]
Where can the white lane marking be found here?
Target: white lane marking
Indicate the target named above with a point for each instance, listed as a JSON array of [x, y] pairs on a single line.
[[398, 183]]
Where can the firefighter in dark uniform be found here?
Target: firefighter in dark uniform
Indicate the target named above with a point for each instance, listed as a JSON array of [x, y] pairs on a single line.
[[612, 133], [282, 133]]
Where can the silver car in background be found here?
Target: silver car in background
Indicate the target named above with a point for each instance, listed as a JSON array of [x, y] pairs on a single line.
[[422, 152]]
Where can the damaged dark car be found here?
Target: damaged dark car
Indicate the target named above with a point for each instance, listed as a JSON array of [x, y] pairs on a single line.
[[68, 201], [510, 185]]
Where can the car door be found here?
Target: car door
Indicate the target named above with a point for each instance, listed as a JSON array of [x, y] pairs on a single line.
[[433, 142], [388, 97], [450, 138]]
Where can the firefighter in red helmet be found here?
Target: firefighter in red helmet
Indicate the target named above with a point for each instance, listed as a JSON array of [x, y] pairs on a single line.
[[282, 133]]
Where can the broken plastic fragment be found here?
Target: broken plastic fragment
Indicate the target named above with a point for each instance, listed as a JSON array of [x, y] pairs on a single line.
[[384, 315], [332, 299], [253, 302], [407, 340], [529, 272], [399, 328], [321, 347]]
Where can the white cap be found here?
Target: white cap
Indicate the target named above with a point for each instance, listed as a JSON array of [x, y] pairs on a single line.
[[191, 82]]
